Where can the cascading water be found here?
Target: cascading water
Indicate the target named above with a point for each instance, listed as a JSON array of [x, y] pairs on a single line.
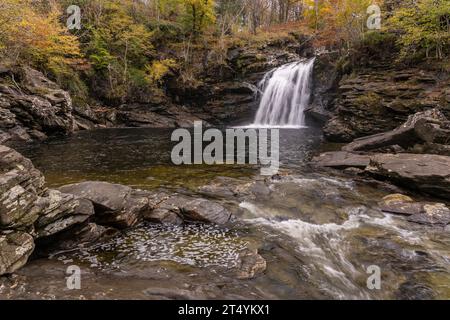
[[286, 93]]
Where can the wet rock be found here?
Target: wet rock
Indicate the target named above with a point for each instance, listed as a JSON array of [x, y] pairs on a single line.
[[342, 160], [162, 209], [226, 187], [15, 248], [418, 212], [426, 173], [76, 236], [430, 127], [205, 210], [400, 204], [325, 82], [61, 212], [422, 172], [61, 225], [177, 209], [432, 214], [57, 205], [251, 264], [115, 205]]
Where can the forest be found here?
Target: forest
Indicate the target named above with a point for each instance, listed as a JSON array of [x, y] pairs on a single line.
[[123, 45]]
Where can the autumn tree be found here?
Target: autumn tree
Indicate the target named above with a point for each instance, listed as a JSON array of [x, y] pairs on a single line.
[[30, 35], [424, 27]]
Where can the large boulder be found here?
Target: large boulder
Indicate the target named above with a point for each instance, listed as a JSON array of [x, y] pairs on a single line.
[[15, 248], [426, 173], [423, 172], [115, 205]]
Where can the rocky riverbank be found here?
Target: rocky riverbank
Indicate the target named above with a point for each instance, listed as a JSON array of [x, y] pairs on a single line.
[[33, 107], [414, 156], [35, 219]]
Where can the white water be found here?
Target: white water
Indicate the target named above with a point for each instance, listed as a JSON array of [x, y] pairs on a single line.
[[286, 94]]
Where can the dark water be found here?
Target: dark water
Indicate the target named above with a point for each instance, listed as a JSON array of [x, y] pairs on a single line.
[[318, 231], [142, 158]]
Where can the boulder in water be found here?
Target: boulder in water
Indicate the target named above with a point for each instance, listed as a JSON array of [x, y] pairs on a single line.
[[417, 212], [115, 205]]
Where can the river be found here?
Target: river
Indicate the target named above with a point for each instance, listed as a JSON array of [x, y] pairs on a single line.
[[319, 231]]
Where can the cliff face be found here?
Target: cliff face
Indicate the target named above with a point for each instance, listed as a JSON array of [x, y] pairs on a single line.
[[227, 91], [374, 101], [32, 106], [371, 90]]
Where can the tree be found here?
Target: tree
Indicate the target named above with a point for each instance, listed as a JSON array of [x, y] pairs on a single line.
[[198, 15], [424, 27], [35, 36]]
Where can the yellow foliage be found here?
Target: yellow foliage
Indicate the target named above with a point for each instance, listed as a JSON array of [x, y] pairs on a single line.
[[30, 35], [158, 70]]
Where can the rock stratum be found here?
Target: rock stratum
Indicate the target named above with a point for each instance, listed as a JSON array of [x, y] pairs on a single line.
[[414, 155]]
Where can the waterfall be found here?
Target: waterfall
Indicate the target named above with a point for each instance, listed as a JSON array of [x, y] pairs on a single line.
[[286, 93]]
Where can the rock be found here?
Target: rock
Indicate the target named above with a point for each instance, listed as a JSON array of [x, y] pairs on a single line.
[[163, 210], [426, 173], [432, 214], [423, 172], [250, 264], [371, 101], [400, 204], [342, 160], [176, 209], [417, 212], [115, 205], [396, 197], [15, 248], [429, 126], [61, 211], [325, 82], [74, 237], [206, 211], [61, 225], [32, 105], [20, 186]]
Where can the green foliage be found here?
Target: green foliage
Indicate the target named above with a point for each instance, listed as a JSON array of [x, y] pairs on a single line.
[[425, 28], [117, 44], [198, 15]]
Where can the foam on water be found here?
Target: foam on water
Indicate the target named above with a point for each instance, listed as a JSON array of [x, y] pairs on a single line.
[[194, 244]]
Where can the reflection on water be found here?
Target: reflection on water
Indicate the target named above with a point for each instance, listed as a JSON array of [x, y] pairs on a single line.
[[141, 158]]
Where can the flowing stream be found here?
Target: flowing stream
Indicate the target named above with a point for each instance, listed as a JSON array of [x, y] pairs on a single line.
[[318, 231]]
